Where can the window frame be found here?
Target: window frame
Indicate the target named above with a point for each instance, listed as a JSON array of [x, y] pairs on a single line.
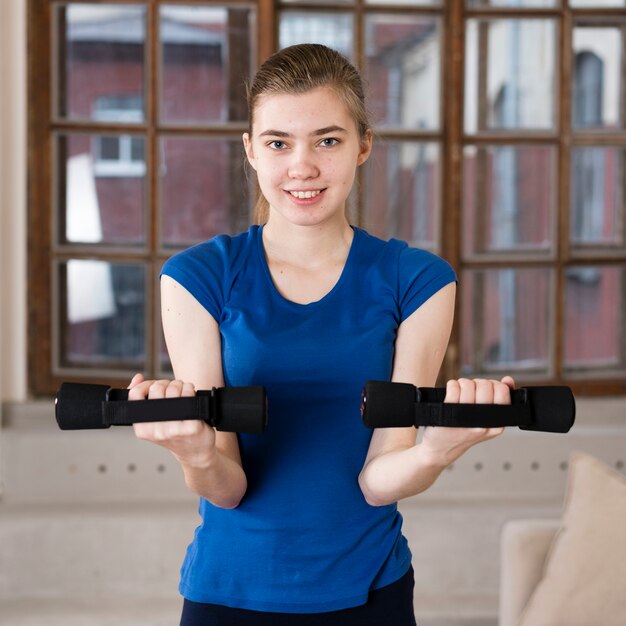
[[44, 253]]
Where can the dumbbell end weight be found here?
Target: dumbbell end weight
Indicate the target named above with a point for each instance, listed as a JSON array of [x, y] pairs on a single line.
[[553, 409], [79, 406], [241, 409], [388, 405]]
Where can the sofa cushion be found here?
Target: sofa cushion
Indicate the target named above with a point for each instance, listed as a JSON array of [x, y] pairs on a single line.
[[584, 580]]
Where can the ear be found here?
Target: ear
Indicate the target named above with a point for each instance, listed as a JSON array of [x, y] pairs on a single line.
[[365, 147], [247, 146]]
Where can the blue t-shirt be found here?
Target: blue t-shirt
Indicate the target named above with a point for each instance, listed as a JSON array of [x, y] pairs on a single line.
[[303, 539]]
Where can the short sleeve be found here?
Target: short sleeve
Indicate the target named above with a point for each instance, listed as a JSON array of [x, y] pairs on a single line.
[[421, 275], [202, 270]]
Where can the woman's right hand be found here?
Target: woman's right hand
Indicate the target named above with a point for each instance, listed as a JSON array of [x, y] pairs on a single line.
[[191, 441]]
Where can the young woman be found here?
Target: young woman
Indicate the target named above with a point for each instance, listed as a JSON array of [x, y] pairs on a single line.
[[300, 524]]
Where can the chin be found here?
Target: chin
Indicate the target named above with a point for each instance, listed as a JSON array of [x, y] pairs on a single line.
[[310, 216]]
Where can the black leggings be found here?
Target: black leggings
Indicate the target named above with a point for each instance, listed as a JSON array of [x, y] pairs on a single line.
[[392, 604]]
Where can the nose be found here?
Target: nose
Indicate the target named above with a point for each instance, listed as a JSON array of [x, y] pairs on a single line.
[[303, 165]]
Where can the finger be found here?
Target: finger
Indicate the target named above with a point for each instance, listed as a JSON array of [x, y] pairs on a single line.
[[484, 391], [136, 379], [494, 432], [468, 391], [453, 391], [142, 430], [157, 389], [501, 392], [140, 390], [174, 389], [176, 429], [189, 390], [508, 381], [190, 428]]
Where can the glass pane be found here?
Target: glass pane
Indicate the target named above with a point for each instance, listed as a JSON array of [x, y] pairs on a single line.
[[137, 148], [508, 198], [402, 192], [205, 189], [102, 314], [506, 321], [320, 2], [514, 4], [403, 70], [335, 30], [598, 196], [594, 317], [597, 76], [510, 74], [417, 3], [597, 4], [207, 56], [101, 187], [109, 148], [101, 62]]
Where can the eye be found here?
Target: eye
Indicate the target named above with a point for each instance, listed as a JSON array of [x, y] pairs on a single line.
[[329, 142], [277, 144]]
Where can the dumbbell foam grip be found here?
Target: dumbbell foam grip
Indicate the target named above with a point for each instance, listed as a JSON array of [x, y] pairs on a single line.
[[386, 404], [242, 409], [119, 411]]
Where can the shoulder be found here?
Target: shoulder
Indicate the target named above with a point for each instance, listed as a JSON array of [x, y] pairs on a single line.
[[209, 269], [220, 252], [416, 274], [417, 261], [399, 256], [421, 274], [375, 246]]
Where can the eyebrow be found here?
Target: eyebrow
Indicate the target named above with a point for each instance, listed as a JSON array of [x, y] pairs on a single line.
[[315, 133]]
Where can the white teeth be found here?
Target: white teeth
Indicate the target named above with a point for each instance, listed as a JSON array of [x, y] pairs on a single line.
[[304, 194]]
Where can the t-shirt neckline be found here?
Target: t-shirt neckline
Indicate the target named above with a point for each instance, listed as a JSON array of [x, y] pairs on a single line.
[[334, 289]]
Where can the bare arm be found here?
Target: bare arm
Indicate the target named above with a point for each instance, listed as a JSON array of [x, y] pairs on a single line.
[[210, 460], [395, 466]]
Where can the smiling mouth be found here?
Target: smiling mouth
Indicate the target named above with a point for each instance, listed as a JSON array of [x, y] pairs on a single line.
[[305, 195]]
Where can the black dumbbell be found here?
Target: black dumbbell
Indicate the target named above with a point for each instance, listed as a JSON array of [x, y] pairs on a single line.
[[386, 404], [231, 409]]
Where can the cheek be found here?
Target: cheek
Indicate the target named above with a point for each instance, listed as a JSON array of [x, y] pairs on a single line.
[[265, 169], [329, 168], [346, 173], [269, 177]]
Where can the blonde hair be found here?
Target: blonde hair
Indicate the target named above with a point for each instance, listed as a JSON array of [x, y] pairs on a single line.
[[301, 68]]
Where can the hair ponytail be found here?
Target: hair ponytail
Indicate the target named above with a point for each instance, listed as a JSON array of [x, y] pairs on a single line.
[[261, 208]]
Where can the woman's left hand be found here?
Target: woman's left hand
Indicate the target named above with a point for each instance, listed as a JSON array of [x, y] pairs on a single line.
[[445, 445]]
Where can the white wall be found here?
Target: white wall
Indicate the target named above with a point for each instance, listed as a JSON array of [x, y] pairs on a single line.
[[13, 200]]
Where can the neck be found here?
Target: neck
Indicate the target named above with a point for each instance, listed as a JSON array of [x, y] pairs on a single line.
[[307, 245]]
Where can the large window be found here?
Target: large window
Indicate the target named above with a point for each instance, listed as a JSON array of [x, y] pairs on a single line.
[[500, 144]]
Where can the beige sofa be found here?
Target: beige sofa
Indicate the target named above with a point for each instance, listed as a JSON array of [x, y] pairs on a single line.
[[571, 571], [524, 547]]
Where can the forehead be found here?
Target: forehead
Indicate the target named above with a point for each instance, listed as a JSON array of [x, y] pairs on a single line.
[[302, 113]]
